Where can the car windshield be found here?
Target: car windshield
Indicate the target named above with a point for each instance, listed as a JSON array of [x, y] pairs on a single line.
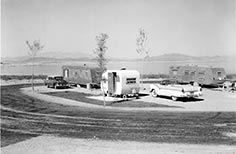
[[167, 82]]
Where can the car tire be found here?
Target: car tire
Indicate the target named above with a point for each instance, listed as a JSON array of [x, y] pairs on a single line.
[[174, 98], [154, 93], [124, 97]]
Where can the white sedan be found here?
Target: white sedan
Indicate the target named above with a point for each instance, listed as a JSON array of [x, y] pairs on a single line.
[[175, 91]]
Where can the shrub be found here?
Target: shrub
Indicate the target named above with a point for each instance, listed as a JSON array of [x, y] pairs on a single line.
[[155, 76], [21, 77]]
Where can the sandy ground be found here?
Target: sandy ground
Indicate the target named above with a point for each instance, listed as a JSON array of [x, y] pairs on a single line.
[[56, 145], [212, 100]]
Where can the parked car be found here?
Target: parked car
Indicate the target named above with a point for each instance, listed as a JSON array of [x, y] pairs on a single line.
[[175, 91], [229, 86], [56, 82]]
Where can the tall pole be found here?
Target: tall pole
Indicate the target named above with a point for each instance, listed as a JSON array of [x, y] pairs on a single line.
[[32, 80], [142, 49], [142, 72], [34, 48], [103, 95]]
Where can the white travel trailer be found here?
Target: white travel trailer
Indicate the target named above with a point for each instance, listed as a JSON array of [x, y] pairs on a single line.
[[121, 82]]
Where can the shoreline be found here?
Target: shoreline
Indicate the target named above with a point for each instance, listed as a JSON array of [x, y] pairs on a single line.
[[18, 82]]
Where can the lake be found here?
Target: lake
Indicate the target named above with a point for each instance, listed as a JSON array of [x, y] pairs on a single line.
[[154, 67]]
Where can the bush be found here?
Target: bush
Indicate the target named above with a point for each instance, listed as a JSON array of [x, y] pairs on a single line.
[[155, 76], [21, 77]]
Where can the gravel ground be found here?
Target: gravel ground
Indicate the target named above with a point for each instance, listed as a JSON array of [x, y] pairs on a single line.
[[76, 127]]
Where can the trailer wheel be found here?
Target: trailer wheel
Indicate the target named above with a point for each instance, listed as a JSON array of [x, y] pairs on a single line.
[[124, 97], [154, 93], [174, 98]]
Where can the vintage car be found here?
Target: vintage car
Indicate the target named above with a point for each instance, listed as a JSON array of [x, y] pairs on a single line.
[[56, 82], [174, 90], [229, 86]]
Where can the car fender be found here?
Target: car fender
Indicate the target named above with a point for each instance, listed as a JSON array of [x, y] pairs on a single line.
[[154, 87]]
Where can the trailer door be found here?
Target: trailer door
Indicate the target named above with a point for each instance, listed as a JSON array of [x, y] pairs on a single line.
[[66, 73], [111, 82], [187, 77]]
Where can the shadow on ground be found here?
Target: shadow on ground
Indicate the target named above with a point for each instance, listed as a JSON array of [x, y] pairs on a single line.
[[183, 99]]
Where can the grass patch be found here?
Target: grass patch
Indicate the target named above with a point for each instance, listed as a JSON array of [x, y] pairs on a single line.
[[9, 137]]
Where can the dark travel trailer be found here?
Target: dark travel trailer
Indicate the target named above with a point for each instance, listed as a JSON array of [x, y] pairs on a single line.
[[82, 75], [202, 75]]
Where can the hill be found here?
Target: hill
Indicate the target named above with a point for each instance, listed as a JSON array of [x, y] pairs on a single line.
[[59, 57], [183, 57]]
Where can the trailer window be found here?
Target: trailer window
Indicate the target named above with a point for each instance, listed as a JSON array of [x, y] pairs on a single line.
[[201, 79], [192, 73], [201, 73], [174, 72], [186, 72], [130, 80]]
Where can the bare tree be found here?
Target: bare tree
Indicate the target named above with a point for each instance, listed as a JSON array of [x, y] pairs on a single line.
[[35, 47], [142, 50], [101, 50]]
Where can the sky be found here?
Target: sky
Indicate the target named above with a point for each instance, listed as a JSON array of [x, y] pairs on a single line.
[[192, 27]]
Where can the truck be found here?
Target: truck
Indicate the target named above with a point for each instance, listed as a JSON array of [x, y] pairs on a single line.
[[175, 91]]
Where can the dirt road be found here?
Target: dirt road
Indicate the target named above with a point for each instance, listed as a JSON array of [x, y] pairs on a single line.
[[59, 145], [24, 117]]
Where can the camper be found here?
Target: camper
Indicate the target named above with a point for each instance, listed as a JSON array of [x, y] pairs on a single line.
[[121, 83], [213, 76], [82, 75]]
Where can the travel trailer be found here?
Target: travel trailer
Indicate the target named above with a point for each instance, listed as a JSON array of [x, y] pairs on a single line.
[[202, 75], [121, 83], [82, 75]]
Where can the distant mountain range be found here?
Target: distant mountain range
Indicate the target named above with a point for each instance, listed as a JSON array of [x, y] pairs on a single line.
[[57, 57], [183, 57]]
